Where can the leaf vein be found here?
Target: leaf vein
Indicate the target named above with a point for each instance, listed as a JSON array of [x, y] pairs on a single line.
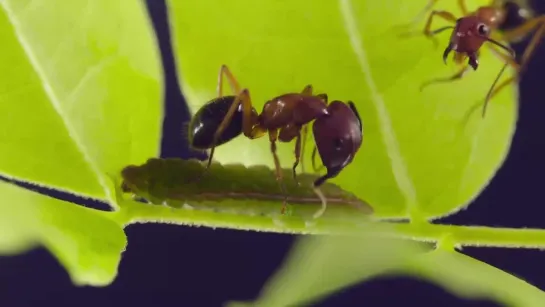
[[55, 101], [399, 168]]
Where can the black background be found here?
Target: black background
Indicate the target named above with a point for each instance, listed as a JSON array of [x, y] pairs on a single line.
[[168, 265]]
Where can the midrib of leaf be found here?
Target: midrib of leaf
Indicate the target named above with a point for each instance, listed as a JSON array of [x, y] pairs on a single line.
[[399, 168], [48, 88], [481, 236]]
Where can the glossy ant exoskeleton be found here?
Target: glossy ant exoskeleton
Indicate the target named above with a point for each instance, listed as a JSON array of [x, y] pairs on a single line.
[[474, 29], [336, 125]]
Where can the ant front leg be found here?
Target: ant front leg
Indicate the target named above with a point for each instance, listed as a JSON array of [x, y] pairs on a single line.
[[457, 76], [323, 96], [273, 135], [226, 72], [313, 156], [306, 91], [511, 35], [511, 61], [448, 16]]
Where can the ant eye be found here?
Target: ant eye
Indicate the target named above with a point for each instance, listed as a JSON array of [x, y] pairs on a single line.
[[338, 143], [483, 29]]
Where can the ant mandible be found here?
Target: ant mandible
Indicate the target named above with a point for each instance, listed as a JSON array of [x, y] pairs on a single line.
[[473, 30], [283, 117]]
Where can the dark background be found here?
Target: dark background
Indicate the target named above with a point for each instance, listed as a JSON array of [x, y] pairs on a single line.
[[168, 265]]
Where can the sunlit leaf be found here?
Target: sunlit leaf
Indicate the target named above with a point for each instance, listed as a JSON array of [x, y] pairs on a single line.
[[320, 266], [86, 243], [419, 156], [80, 92]]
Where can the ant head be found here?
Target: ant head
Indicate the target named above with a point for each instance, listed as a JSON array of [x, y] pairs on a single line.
[[338, 136], [468, 36], [517, 12]]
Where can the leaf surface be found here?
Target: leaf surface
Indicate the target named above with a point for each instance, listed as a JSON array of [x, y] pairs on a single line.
[[319, 266], [80, 94], [85, 242], [424, 154]]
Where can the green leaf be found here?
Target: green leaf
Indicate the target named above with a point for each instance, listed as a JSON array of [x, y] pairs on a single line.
[[420, 157], [319, 266], [80, 91], [85, 242]]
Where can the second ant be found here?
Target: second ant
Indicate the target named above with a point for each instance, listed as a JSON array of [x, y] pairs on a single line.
[[474, 29]]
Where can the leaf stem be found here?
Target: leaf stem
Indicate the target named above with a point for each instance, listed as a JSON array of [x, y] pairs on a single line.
[[134, 212]]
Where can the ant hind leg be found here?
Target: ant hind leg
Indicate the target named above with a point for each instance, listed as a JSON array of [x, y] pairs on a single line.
[[226, 72], [242, 98]]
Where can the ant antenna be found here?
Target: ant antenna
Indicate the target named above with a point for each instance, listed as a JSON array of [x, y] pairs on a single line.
[[490, 91]]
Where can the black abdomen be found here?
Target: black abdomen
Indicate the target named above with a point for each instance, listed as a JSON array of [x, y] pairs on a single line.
[[206, 121]]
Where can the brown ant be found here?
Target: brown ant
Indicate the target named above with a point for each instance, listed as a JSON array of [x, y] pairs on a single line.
[[283, 118], [474, 29]]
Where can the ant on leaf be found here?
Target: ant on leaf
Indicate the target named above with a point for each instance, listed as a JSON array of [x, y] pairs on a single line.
[[337, 128], [474, 29]]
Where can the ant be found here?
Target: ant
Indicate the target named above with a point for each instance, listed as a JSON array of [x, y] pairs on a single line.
[[474, 29], [284, 118]]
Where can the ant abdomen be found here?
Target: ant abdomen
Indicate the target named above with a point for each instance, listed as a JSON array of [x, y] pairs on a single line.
[[206, 121], [516, 13]]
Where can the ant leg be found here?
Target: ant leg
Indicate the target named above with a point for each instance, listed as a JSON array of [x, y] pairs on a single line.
[[501, 86], [510, 61], [423, 12], [273, 135], [307, 90], [322, 96], [247, 120], [226, 72], [505, 58], [457, 76], [427, 28], [448, 16], [286, 135], [510, 35], [304, 134], [498, 76], [463, 7], [297, 157], [461, 4]]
